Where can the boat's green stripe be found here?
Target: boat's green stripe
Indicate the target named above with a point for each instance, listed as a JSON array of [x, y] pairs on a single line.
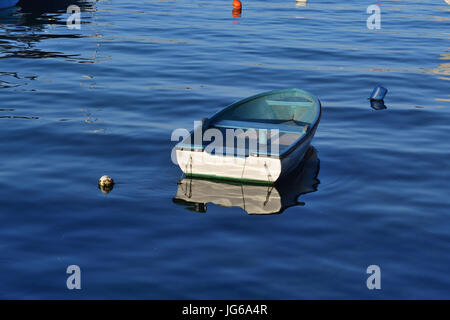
[[238, 181]]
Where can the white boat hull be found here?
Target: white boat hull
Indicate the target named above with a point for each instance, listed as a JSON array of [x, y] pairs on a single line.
[[251, 168]]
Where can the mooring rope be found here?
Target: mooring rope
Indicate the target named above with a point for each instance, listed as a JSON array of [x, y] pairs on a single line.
[[243, 169], [269, 176], [185, 170], [189, 163], [243, 196], [269, 191]]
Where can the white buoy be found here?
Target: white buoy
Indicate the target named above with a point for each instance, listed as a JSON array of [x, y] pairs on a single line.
[[105, 184]]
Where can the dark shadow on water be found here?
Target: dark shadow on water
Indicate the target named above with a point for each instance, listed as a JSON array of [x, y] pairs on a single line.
[[28, 23], [51, 6], [377, 104], [195, 194]]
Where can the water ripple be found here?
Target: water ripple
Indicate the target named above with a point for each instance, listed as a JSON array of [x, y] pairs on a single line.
[[104, 99]]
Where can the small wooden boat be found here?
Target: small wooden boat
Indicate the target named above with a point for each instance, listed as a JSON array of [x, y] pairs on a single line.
[[270, 133], [195, 194], [7, 3]]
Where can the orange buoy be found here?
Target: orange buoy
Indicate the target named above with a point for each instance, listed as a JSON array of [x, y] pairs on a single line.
[[237, 13], [237, 4]]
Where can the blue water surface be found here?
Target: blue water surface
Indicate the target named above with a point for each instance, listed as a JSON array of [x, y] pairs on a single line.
[[76, 104]]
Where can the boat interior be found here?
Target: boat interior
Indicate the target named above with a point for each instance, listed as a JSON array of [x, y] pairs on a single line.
[[268, 124]]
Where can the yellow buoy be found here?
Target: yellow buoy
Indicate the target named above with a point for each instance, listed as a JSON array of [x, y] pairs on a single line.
[[105, 181]]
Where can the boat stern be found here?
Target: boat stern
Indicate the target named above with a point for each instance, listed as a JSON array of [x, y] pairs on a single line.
[[253, 168]]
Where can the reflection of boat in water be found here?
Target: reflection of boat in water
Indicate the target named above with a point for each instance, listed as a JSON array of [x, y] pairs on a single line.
[[28, 23], [32, 12], [52, 6], [49, 5], [7, 3], [254, 199]]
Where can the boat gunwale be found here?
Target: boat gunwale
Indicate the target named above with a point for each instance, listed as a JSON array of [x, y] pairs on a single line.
[[291, 148]]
